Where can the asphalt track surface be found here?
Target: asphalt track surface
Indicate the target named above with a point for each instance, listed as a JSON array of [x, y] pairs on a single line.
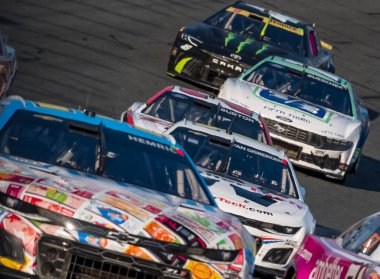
[[109, 54]]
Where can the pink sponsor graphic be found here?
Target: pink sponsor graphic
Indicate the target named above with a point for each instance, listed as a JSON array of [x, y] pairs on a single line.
[[14, 190], [56, 195], [27, 233], [16, 178], [48, 205], [321, 258]]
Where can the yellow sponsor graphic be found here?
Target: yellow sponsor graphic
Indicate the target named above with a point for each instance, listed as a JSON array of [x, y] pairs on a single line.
[[44, 105], [12, 264], [326, 45], [202, 271], [273, 22]]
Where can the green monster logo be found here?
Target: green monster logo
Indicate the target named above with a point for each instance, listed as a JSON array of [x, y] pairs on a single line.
[[229, 38], [241, 46]]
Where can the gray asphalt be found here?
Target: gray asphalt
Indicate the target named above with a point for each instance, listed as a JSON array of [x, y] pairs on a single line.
[[112, 53]]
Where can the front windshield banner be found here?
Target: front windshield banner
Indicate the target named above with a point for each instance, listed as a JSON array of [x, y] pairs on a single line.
[[237, 160], [287, 27], [102, 151]]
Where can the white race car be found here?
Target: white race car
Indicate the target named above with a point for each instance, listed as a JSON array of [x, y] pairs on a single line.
[[174, 103], [313, 115], [255, 182]]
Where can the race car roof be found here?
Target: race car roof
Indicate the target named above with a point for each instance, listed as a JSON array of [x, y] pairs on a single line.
[[225, 135], [269, 13], [308, 69], [11, 104], [206, 98]]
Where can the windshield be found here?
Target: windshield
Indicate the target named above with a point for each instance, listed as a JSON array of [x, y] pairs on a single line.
[[102, 151], [237, 123], [364, 238], [258, 27], [308, 87], [237, 160], [175, 107]]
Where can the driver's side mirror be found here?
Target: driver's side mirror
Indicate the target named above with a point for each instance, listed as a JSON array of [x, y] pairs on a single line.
[[303, 191]]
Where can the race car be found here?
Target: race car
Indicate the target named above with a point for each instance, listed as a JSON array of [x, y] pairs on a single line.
[[84, 196], [173, 104], [8, 65], [354, 254], [312, 114], [239, 36], [255, 182]]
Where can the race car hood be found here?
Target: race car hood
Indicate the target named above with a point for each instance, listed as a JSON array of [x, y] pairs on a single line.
[[150, 123], [228, 44], [248, 200], [118, 206], [289, 110]]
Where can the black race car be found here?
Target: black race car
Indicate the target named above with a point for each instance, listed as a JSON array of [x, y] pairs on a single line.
[[238, 37]]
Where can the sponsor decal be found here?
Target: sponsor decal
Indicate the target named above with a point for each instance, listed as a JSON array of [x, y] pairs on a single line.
[[242, 205], [270, 240], [202, 271], [256, 152], [137, 252], [227, 65], [306, 254], [325, 81], [160, 233], [55, 195], [154, 144], [327, 269], [24, 231], [294, 103], [127, 207], [319, 152], [14, 190], [280, 129], [236, 240], [288, 114], [284, 118], [49, 205], [92, 240], [113, 215], [235, 56], [16, 178], [238, 115], [186, 47], [191, 238]]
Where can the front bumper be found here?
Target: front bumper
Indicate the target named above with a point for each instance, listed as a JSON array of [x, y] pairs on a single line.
[[61, 258], [202, 67], [298, 146], [14, 274]]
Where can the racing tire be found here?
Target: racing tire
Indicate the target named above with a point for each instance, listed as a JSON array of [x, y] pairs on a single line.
[[355, 166]]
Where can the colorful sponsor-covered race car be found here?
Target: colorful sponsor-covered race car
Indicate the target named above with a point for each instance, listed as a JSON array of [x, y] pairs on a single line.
[[8, 65], [84, 196], [173, 104], [255, 182], [239, 36], [354, 254], [312, 114]]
